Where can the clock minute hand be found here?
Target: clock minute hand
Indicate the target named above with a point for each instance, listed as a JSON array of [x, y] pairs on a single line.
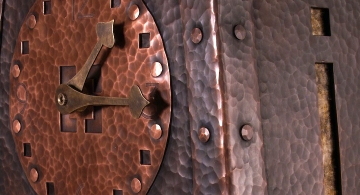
[[69, 100], [105, 33]]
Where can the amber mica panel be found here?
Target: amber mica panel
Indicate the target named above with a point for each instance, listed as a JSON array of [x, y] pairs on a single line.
[[342, 51], [329, 127]]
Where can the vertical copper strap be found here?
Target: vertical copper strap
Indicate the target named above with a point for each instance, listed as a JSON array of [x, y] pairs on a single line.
[[241, 96], [205, 99]]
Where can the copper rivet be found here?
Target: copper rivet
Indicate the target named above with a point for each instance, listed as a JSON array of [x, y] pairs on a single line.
[[196, 35], [31, 22], [240, 32], [156, 131], [34, 175], [247, 132], [21, 93], [156, 69], [16, 126], [16, 71], [133, 12], [204, 134], [136, 185]]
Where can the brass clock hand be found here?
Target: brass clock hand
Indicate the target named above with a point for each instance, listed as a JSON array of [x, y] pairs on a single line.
[[69, 100], [105, 34]]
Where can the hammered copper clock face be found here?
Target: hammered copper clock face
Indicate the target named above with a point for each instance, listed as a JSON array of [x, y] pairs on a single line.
[[100, 149]]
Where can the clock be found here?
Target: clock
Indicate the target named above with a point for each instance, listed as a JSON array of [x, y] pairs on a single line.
[[90, 97], [262, 98]]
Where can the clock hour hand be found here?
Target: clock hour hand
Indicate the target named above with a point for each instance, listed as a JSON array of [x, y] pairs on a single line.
[[104, 31], [69, 100]]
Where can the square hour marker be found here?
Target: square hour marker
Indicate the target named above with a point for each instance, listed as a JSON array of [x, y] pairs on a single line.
[[25, 47], [115, 3], [27, 149], [145, 158], [50, 188], [47, 7], [117, 192], [144, 40]]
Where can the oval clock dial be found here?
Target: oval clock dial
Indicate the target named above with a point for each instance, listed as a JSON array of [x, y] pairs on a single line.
[[112, 135]]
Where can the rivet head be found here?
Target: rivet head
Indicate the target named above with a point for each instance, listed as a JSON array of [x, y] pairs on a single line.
[[247, 132], [240, 32], [16, 126], [61, 99], [136, 185], [15, 71], [196, 35], [34, 175], [31, 21], [156, 69], [133, 12], [204, 134], [21, 93], [156, 131]]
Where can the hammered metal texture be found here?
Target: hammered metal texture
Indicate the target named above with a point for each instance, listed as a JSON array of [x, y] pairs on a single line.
[[82, 162], [176, 173], [241, 97], [288, 94], [342, 48], [205, 98], [1, 10], [12, 176], [287, 52]]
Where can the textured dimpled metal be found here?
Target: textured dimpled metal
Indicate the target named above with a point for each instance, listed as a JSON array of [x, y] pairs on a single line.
[[96, 150]]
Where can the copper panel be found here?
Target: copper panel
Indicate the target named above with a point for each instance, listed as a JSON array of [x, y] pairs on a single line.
[[205, 96], [86, 161], [176, 173], [241, 96], [271, 42], [12, 176]]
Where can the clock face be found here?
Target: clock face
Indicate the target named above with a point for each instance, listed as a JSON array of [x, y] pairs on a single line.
[[99, 148]]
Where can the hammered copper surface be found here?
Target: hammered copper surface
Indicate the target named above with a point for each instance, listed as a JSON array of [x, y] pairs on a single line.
[[83, 162], [286, 54], [12, 176], [246, 159], [176, 173], [275, 61], [205, 97]]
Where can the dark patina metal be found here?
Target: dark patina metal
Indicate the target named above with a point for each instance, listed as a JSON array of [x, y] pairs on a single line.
[[232, 63]]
